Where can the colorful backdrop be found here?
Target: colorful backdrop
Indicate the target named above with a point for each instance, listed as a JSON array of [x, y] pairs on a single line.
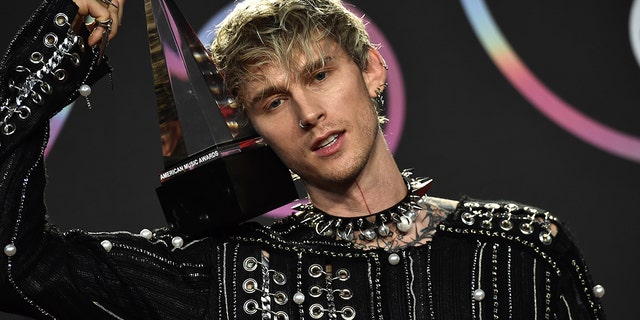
[[534, 101]]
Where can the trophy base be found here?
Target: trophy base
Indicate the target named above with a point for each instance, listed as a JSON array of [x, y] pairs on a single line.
[[217, 196]]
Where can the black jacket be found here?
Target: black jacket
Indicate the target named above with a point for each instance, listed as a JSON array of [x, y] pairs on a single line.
[[475, 267]]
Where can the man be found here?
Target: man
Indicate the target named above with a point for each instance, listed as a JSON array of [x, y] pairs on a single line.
[[370, 245]]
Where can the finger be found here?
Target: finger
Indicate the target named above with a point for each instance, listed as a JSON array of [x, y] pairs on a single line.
[[97, 10], [114, 13], [120, 4]]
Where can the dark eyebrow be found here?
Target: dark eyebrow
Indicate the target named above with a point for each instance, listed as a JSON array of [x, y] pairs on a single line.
[[308, 68], [268, 91], [317, 64]]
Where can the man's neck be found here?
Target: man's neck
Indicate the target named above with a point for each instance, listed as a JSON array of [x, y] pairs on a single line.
[[379, 186]]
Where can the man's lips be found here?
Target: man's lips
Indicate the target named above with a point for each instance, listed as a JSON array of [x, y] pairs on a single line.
[[326, 141]]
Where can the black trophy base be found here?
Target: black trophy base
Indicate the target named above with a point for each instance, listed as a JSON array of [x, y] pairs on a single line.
[[217, 196]]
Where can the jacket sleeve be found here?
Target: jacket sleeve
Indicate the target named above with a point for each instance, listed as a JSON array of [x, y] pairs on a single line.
[[578, 297], [75, 275]]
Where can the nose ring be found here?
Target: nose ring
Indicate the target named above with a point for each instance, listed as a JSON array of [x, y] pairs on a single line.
[[302, 125]]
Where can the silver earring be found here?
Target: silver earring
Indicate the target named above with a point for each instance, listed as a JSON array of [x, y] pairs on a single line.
[[302, 125], [379, 99]]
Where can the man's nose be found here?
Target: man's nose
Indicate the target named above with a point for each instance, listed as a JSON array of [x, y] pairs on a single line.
[[309, 110]]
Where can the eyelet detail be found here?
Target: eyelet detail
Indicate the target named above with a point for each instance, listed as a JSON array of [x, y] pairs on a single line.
[[348, 313], [250, 306], [75, 59], [36, 57], [60, 74], [250, 264], [316, 311], [343, 274], [249, 285], [24, 112], [50, 40], [279, 278], [315, 270], [45, 88], [281, 298], [345, 294], [315, 291], [61, 19], [8, 129]]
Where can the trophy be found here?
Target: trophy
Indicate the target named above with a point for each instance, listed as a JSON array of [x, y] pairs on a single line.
[[217, 170]]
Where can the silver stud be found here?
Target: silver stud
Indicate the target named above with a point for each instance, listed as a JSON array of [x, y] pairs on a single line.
[[383, 230], [84, 90], [478, 295], [506, 225], [545, 237], [10, 250], [487, 224], [492, 206], [394, 259], [412, 214], [526, 228], [177, 242], [598, 291], [107, 245], [468, 218], [404, 224], [471, 204], [298, 298], [146, 233], [368, 234], [511, 207]]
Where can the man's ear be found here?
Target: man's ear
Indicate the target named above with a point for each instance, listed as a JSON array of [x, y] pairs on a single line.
[[375, 74]]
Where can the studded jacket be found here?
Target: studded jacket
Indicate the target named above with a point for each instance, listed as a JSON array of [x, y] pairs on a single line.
[[486, 260]]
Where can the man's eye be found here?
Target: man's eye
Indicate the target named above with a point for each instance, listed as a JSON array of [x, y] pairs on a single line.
[[320, 75], [274, 104]]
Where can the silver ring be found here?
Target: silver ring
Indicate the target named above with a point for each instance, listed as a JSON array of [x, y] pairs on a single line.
[[302, 125], [105, 24]]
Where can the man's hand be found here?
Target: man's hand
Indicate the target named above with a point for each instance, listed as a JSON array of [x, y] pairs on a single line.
[[102, 11]]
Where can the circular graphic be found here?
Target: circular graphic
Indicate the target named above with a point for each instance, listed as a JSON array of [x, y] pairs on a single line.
[[542, 98], [634, 29]]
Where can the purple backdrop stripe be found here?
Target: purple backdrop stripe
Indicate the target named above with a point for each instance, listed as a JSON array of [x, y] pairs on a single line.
[[548, 103]]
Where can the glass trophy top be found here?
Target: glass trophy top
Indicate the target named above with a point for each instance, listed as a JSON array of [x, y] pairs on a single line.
[[198, 122]]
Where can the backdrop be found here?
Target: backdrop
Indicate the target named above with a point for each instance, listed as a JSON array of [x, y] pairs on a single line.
[[534, 101]]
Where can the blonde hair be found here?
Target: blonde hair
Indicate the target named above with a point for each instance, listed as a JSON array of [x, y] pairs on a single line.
[[259, 32]]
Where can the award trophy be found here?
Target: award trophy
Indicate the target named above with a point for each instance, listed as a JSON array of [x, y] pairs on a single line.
[[218, 172]]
